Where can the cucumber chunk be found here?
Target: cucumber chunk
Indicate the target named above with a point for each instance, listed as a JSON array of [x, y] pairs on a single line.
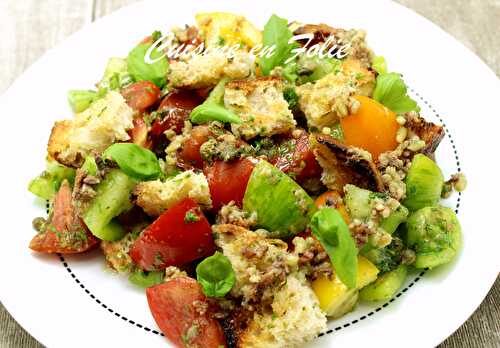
[[385, 286], [359, 203], [281, 205], [47, 184], [397, 217], [112, 199]]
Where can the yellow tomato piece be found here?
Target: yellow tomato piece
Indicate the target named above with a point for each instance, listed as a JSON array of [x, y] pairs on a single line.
[[221, 28], [367, 272], [373, 127], [333, 199], [335, 299]]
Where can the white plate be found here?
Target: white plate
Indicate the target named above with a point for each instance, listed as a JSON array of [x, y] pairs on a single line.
[[77, 303]]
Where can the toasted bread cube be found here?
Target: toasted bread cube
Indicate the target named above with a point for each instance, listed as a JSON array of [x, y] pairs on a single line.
[[156, 196], [325, 101], [295, 319], [201, 71], [105, 122], [259, 102]]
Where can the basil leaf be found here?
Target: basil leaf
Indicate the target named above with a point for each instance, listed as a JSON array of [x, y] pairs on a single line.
[[90, 166], [212, 108], [379, 65], [216, 275], [390, 91], [134, 160], [80, 100], [146, 279], [332, 232], [277, 34], [213, 112], [140, 70]]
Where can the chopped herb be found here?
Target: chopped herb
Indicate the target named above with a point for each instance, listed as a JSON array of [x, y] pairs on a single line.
[[191, 217], [156, 35], [291, 97]]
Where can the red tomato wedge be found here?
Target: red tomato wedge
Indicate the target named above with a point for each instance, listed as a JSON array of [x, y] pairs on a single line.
[[141, 95], [189, 155], [139, 134], [180, 235], [300, 162], [177, 106], [65, 232], [173, 307], [228, 181]]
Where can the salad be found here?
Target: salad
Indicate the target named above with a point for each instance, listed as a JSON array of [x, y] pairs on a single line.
[[256, 193]]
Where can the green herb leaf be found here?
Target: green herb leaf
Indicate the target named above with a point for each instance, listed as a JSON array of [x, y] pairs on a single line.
[[146, 279], [276, 33], [191, 216], [212, 108], [390, 90], [332, 232], [291, 97], [216, 275], [337, 131], [135, 161], [140, 70], [79, 100], [90, 166], [156, 35], [212, 112], [379, 65]]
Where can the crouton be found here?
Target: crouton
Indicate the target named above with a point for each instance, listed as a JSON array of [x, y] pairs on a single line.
[[267, 277], [345, 165], [117, 253], [327, 100], [202, 71], [261, 264], [220, 28], [362, 78], [429, 132], [295, 318], [358, 48], [354, 38], [154, 197], [105, 122], [260, 104]]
